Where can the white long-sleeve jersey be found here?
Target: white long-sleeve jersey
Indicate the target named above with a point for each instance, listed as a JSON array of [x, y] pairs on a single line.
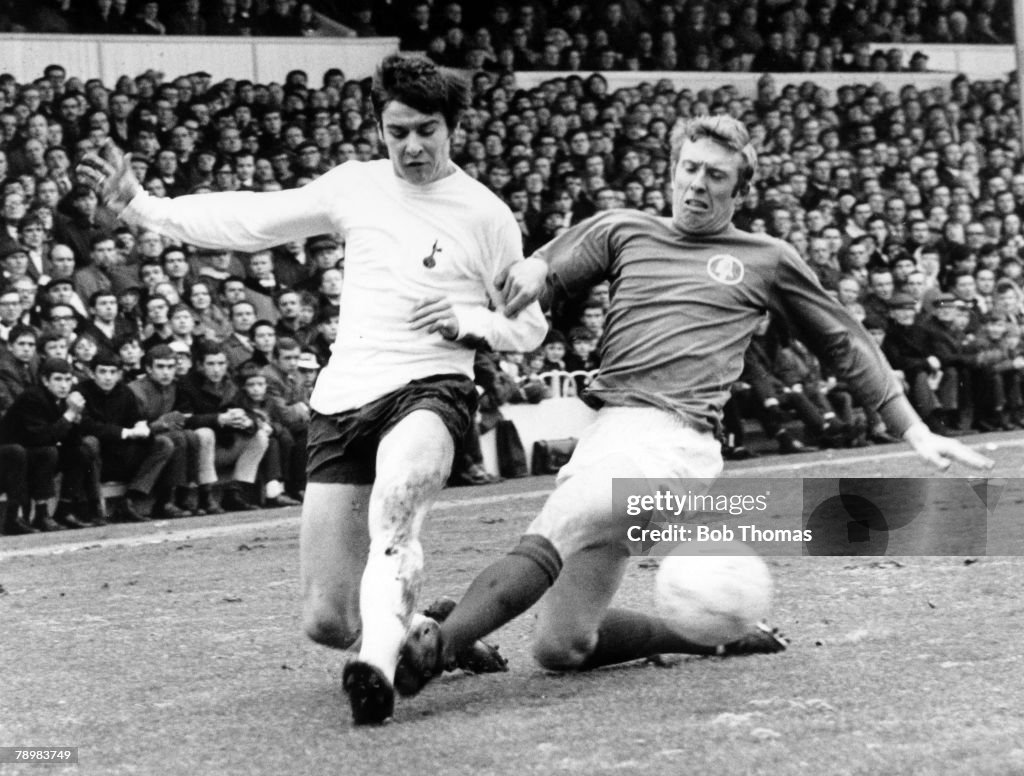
[[404, 243]]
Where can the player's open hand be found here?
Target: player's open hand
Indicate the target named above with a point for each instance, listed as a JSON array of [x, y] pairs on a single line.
[[110, 174], [435, 314], [941, 451], [522, 284]]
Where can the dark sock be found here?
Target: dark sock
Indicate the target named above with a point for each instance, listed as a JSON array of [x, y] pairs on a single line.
[[501, 592], [626, 635]]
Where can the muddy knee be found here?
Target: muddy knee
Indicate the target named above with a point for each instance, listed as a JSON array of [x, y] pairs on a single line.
[[330, 627], [563, 652]]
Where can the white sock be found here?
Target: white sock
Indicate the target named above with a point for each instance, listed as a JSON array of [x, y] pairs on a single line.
[[387, 598]]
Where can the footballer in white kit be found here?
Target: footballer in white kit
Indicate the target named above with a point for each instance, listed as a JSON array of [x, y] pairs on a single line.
[[425, 244]]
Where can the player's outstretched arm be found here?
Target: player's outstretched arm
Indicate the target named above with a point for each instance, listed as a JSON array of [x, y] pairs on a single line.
[[941, 451], [231, 220]]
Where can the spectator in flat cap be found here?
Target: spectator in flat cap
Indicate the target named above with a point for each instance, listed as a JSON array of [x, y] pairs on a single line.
[[907, 346]]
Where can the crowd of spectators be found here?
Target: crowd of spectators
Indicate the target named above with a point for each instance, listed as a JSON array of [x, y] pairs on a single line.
[[516, 35], [175, 369]]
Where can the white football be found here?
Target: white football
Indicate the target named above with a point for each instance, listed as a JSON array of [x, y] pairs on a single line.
[[713, 599]]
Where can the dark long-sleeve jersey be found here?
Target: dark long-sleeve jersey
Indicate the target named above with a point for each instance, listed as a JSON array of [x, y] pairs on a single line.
[[684, 307]]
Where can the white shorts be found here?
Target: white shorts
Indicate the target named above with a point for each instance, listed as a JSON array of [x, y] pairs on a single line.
[[657, 442]]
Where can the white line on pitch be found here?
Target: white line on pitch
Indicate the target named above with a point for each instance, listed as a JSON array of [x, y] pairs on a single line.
[[905, 451], [169, 532], [177, 534]]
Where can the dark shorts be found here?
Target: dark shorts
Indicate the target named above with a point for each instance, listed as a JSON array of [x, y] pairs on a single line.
[[343, 447]]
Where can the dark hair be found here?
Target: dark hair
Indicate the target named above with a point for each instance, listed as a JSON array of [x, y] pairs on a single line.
[[179, 307], [420, 84], [229, 279], [283, 344], [19, 330], [554, 337], [208, 348], [158, 353], [582, 333], [95, 296], [46, 339], [123, 339], [104, 358], [52, 366], [247, 371], [327, 312], [172, 249], [102, 237]]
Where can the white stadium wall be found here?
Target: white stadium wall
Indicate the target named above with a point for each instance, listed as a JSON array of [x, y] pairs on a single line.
[[259, 59], [269, 59]]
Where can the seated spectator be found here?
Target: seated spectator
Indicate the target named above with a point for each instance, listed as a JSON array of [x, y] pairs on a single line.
[[14, 485], [127, 449], [184, 321], [212, 398], [309, 369], [823, 265], [289, 308], [907, 346], [879, 295], [158, 396], [129, 353], [33, 238], [63, 322], [83, 352], [105, 325], [233, 289], [15, 263], [327, 333], [282, 454], [264, 343], [238, 346], [10, 315], [261, 278], [554, 352], [997, 375], [81, 225], [157, 326], [45, 420], [176, 268], [18, 365], [213, 324], [765, 395], [28, 295], [187, 20], [54, 346], [287, 385], [104, 17], [279, 21], [329, 286], [148, 20]]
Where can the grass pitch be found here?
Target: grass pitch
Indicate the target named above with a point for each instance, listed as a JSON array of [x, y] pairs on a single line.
[[175, 648]]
